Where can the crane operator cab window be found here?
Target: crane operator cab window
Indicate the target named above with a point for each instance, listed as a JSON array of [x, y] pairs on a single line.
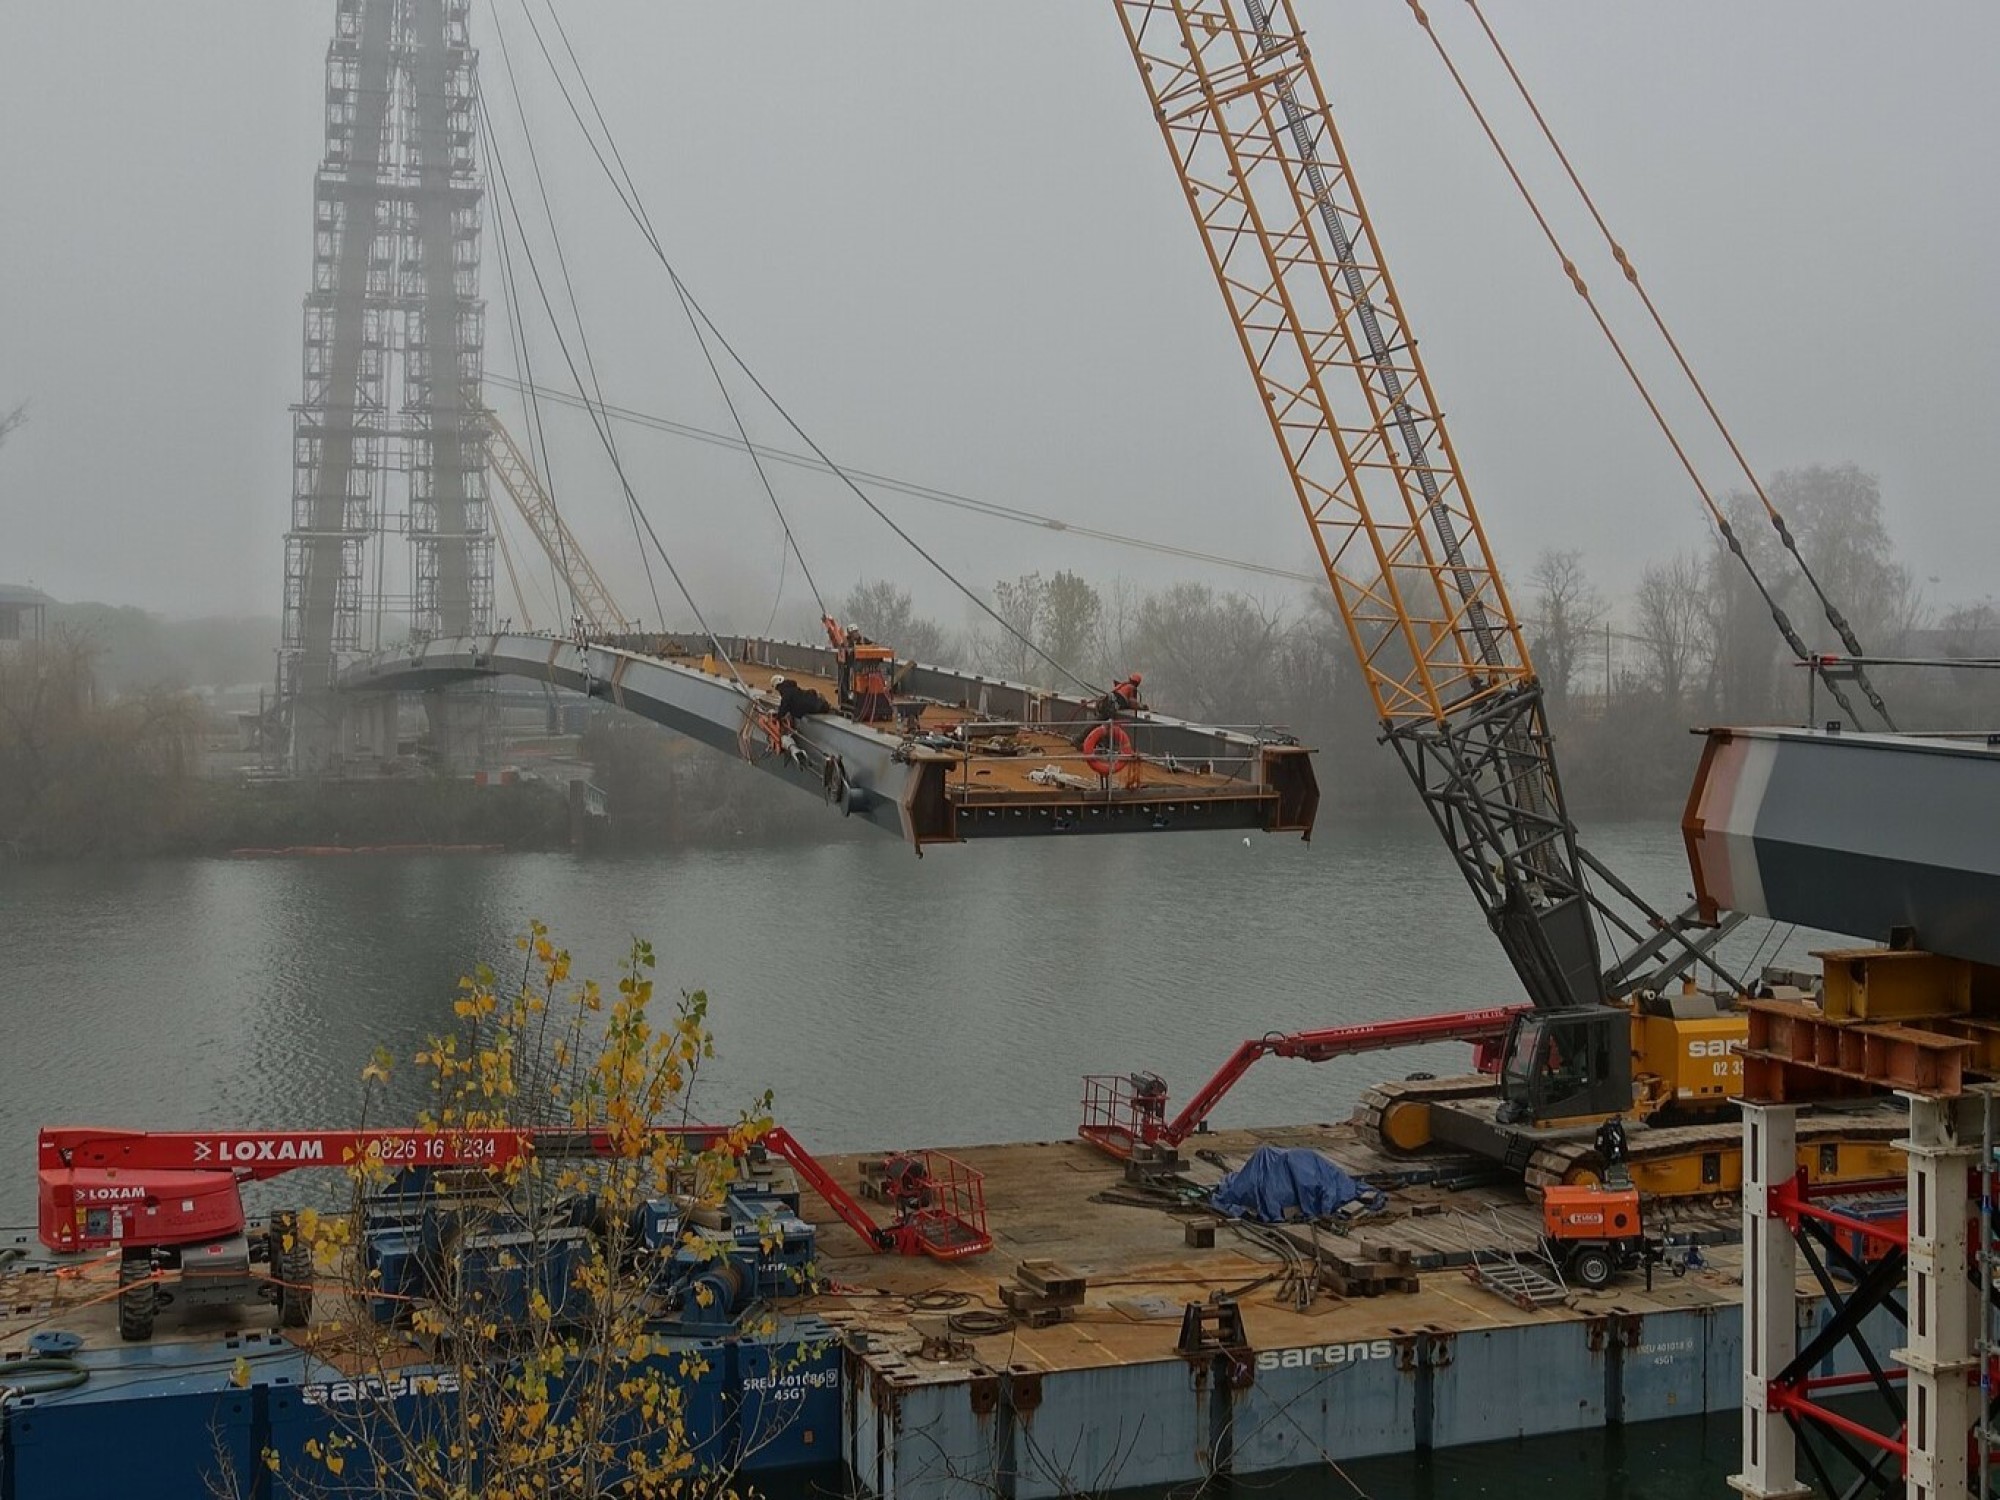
[[1559, 1065]]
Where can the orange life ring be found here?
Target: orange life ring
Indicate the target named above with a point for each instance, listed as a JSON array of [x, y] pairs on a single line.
[[1095, 741]]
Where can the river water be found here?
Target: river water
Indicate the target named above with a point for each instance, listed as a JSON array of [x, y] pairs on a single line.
[[888, 1001]]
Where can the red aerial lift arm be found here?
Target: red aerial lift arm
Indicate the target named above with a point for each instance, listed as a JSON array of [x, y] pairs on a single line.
[[1327, 1042], [1118, 1114]]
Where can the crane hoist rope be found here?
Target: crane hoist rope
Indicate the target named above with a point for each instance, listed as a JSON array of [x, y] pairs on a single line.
[[1834, 615], [1716, 515]]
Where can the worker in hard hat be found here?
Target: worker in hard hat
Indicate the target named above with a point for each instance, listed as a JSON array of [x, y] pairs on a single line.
[[795, 700], [1123, 699], [861, 673]]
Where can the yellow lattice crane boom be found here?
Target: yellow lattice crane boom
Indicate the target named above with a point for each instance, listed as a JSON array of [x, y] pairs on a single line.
[[591, 597], [1246, 122]]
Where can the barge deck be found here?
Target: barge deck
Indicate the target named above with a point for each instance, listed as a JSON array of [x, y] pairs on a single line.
[[1367, 1340]]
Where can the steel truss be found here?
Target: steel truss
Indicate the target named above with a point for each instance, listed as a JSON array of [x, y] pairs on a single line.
[[1927, 1262]]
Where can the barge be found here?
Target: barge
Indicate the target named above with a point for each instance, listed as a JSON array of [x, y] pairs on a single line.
[[1117, 1335]]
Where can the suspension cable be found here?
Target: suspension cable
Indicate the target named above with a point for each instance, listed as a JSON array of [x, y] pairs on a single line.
[[598, 424], [1715, 512], [562, 263], [1833, 614], [955, 500], [538, 450], [628, 195], [708, 356]]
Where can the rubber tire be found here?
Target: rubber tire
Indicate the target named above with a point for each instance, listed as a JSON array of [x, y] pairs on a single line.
[[138, 1302], [1592, 1266]]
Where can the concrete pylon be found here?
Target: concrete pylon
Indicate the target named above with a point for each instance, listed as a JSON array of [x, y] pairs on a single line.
[[458, 721]]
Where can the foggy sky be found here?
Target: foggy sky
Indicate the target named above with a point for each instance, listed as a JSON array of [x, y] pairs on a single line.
[[948, 237]]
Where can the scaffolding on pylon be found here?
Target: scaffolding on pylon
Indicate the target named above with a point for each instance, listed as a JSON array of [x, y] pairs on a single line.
[[393, 353]]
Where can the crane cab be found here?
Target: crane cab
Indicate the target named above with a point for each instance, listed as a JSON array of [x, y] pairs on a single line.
[[1566, 1065]]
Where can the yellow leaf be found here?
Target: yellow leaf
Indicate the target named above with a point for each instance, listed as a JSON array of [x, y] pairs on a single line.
[[239, 1373]]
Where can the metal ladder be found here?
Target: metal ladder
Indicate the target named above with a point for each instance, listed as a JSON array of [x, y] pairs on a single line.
[[1519, 1283], [1512, 1275]]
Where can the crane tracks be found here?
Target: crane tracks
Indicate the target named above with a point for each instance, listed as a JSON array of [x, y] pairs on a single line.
[[1669, 1161], [1660, 1147], [1376, 1110]]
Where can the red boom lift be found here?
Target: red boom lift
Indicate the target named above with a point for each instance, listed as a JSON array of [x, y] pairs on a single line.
[[1124, 1112], [172, 1200]]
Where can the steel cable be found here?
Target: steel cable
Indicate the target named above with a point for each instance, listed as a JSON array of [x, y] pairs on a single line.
[[1833, 614], [1582, 289], [628, 195], [600, 426]]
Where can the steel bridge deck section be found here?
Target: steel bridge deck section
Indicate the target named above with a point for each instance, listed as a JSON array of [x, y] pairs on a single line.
[[966, 756]]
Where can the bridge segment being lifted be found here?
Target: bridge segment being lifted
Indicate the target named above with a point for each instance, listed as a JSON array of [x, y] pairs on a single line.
[[963, 757]]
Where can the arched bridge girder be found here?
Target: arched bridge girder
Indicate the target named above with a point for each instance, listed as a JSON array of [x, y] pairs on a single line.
[[920, 794]]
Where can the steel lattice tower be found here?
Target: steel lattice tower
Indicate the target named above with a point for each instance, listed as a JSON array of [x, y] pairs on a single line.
[[393, 350]]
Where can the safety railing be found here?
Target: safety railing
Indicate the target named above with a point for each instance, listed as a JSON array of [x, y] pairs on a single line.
[[1116, 1116], [951, 1221]]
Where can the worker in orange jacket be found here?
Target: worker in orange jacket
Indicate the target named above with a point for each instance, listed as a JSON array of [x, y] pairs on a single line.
[[1123, 699]]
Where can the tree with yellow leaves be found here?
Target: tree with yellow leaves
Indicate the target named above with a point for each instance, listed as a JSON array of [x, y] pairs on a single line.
[[500, 1326]]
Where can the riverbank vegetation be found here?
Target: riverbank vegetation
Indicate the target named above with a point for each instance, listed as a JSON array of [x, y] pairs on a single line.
[[1626, 674], [102, 742]]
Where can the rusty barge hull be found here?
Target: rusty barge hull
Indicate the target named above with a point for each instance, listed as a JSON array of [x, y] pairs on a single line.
[[933, 775]]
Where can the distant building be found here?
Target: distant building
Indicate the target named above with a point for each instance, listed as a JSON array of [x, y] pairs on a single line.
[[24, 616]]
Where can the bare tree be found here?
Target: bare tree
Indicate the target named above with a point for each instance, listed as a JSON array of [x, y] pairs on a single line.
[[1835, 511], [1010, 649], [1569, 613], [1673, 624], [1071, 610], [884, 612], [10, 421], [79, 775], [1117, 626], [1214, 657], [1746, 645]]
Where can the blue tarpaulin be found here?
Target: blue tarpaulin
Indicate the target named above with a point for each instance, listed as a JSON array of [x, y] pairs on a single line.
[[1282, 1182]]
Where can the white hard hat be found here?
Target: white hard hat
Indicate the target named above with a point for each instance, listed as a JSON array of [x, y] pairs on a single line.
[[778, 681]]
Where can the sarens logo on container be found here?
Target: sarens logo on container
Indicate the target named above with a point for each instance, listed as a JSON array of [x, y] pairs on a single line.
[[1325, 1354]]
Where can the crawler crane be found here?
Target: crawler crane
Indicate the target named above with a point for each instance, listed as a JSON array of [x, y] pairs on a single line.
[[1246, 122]]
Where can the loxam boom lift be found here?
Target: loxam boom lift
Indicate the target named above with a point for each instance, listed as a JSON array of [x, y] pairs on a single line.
[[1246, 122], [170, 1205]]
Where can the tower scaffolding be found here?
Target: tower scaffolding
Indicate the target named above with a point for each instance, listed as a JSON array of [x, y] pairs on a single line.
[[393, 350]]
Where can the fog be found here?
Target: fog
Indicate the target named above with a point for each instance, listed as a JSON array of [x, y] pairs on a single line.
[[949, 240]]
